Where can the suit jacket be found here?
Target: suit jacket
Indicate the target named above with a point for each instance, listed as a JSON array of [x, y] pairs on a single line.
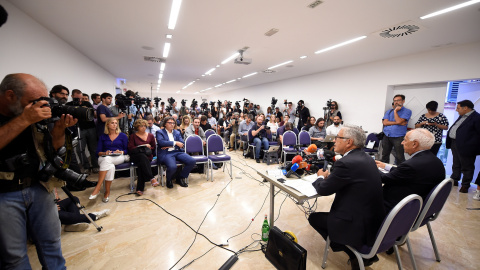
[[163, 140], [357, 210], [418, 175], [468, 134]]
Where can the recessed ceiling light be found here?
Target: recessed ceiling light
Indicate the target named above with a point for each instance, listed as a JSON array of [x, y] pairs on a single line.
[[166, 49], [466, 4], [340, 44], [284, 63], [174, 13], [303, 57], [217, 66], [169, 36]]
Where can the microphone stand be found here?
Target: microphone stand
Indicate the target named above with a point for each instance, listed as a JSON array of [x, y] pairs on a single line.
[[81, 208]]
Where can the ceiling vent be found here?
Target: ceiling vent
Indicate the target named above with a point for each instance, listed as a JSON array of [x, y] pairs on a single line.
[[268, 71], [400, 30], [314, 4], [154, 59], [271, 32]]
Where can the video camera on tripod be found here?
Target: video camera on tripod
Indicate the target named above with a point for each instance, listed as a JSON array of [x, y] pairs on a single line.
[[274, 102], [156, 100], [171, 101], [194, 104]]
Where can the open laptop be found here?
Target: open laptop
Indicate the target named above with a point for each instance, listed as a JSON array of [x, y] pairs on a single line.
[[329, 138]]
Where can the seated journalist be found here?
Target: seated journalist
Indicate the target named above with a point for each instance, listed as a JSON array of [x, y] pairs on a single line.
[[259, 136], [170, 150], [357, 210], [25, 203], [418, 175]]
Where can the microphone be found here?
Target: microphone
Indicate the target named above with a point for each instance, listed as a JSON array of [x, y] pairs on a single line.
[[292, 170], [326, 155], [297, 159], [312, 148]]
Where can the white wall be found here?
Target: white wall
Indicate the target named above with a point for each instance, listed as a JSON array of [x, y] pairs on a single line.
[[28, 47], [361, 91]]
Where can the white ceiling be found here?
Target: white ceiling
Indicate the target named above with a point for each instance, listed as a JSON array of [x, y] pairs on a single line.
[[113, 32]]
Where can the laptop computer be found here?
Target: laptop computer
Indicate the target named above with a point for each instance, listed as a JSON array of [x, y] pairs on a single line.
[[329, 138]]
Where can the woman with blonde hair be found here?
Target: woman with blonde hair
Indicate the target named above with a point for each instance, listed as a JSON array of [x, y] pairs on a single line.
[[111, 151], [141, 147], [185, 124]]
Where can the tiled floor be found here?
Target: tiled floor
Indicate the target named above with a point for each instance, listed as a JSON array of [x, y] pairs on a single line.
[[142, 232]]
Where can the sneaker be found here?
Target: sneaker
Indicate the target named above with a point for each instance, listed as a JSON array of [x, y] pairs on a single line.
[[79, 227], [102, 214], [476, 196]]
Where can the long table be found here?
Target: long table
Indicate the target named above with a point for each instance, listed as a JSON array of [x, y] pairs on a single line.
[[296, 195]]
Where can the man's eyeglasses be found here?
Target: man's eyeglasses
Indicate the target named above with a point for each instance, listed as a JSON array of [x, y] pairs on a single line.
[[338, 137], [172, 123]]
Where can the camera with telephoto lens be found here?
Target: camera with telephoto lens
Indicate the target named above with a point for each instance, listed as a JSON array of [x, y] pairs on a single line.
[[274, 102], [183, 102], [80, 113], [67, 175], [123, 102], [156, 100], [194, 104], [329, 104], [204, 105], [139, 101], [171, 100], [75, 102]]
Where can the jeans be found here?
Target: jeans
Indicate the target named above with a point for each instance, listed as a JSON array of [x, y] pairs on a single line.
[[387, 144], [258, 144], [89, 140], [32, 209]]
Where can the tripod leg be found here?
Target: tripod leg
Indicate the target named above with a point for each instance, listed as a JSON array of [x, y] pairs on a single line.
[[81, 208]]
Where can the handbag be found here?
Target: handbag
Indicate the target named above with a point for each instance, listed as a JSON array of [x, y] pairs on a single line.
[[141, 150], [284, 253]]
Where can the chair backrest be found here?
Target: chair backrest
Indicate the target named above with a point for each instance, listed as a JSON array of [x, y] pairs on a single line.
[[304, 138], [434, 203], [209, 132], [372, 137], [215, 144], [193, 144], [397, 224], [289, 138]]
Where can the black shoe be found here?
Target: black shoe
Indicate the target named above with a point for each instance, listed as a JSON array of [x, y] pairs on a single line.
[[169, 184], [88, 184], [464, 189], [354, 264], [390, 251], [258, 160], [182, 182], [455, 183], [368, 262]]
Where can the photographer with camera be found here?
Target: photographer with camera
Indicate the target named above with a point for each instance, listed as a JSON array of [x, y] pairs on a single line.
[[290, 111], [104, 113], [259, 136], [332, 107], [25, 203], [88, 134], [121, 104], [303, 114]]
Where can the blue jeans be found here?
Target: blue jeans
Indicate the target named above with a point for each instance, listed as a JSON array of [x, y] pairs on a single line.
[[170, 160], [31, 209], [258, 144]]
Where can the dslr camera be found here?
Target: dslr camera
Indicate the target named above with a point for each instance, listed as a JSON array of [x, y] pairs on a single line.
[[82, 114]]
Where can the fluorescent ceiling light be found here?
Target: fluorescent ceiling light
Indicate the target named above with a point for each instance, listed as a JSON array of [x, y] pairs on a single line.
[[284, 63], [169, 36], [218, 85], [208, 89], [251, 74], [303, 57], [209, 71], [159, 81], [196, 92], [341, 44], [160, 75], [231, 81], [162, 66], [174, 13], [466, 4], [178, 91], [230, 58], [166, 49]]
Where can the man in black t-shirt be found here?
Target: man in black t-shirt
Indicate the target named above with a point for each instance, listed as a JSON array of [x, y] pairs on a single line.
[[278, 114], [88, 134]]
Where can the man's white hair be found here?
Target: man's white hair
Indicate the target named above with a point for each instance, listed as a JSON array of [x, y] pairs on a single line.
[[355, 133], [424, 137]]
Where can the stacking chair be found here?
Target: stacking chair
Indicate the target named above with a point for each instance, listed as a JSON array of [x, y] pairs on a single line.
[[209, 132], [396, 225], [133, 172], [215, 144], [372, 137], [250, 144], [194, 144], [270, 139], [124, 167], [162, 168], [304, 140], [288, 144], [434, 203]]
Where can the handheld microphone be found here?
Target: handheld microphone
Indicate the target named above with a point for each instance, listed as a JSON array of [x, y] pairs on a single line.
[[297, 159], [292, 170], [312, 148], [326, 155]]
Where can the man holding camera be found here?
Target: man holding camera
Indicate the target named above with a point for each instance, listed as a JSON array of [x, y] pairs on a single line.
[[25, 205], [303, 115], [88, 133], [259, 134], [103, 113]]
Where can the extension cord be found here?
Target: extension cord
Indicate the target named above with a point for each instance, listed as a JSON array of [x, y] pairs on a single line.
[[229, 263]]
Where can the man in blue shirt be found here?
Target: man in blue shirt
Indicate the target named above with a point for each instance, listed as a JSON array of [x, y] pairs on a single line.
[[103, 113], [395, 127]]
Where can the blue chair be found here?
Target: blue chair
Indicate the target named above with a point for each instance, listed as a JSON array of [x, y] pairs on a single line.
[[431, 210], [250, 143], [209, 132], [372, 137], [396, 225], [194, 144], [133, 171], [304, 140], [215, 144], [288, 144], [123, 167]]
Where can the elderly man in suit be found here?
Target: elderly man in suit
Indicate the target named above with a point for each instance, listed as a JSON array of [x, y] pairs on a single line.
[[464, 140], [169, 145], [418, 175], [357, 210]]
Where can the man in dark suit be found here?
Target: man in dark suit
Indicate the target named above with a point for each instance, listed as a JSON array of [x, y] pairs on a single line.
[[169, 141], [357, 210], [418, 175], [463, 139]]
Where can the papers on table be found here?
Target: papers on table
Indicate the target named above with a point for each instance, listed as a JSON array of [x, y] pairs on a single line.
[[275, 173], [303, 186]]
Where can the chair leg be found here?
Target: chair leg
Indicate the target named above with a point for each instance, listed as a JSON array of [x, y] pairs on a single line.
[[359, 259], [162, 179], [434, 244], [410, 252], [231, 172], [325, 253], [132, 178], [397, 257]]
